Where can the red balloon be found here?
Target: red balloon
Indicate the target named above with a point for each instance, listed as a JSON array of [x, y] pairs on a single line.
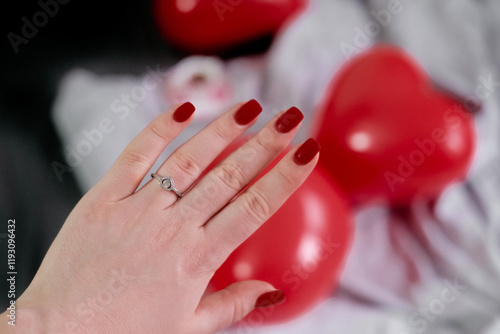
[[213, 26], [387, 134], [301, 249]]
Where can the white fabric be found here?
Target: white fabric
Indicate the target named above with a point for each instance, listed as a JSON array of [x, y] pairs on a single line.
[[434, 270]]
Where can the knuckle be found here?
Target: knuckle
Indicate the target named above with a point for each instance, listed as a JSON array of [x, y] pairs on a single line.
[[187, 164], [221, 134], [159, 132], [267, 141], [239, 306], [256, 206], [231, 175], [136, 159], [288, 181]]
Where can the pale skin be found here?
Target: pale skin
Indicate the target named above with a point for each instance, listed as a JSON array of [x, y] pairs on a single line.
[[131, 260]]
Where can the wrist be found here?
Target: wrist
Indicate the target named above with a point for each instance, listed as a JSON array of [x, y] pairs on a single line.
[[32, 317], [21, 319]]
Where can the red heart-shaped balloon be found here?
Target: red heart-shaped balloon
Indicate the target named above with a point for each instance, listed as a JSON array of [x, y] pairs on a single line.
[[213, 26], [301, 249], [387, 133]]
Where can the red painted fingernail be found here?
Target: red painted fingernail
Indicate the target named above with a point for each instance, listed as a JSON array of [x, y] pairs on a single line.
[[183, 112], [247, 112], [289, 120], [271, 298], [306, 152]]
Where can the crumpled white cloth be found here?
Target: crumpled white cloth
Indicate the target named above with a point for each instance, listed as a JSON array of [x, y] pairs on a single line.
[[430, 270]]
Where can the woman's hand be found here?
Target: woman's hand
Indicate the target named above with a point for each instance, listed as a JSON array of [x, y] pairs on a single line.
[[131, 260]]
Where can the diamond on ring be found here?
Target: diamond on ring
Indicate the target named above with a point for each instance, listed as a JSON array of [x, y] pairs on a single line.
[[167, 183]]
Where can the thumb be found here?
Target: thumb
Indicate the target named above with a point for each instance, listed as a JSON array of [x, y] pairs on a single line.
[[223, 308]]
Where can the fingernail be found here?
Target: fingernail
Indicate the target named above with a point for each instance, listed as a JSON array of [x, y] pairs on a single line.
[[306, 152], [271, 298], [247, 112], [289, 120], [183, 112]]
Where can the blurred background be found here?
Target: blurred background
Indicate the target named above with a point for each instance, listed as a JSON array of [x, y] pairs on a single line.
[[106, 37], [73, 71]]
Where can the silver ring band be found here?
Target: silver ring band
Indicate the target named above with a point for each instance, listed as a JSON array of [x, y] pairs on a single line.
[[167, 183]]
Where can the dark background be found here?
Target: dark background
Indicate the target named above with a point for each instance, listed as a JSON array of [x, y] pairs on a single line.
[[103, 36]]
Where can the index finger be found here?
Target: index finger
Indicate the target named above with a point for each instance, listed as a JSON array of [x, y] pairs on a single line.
[[139, 156]]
